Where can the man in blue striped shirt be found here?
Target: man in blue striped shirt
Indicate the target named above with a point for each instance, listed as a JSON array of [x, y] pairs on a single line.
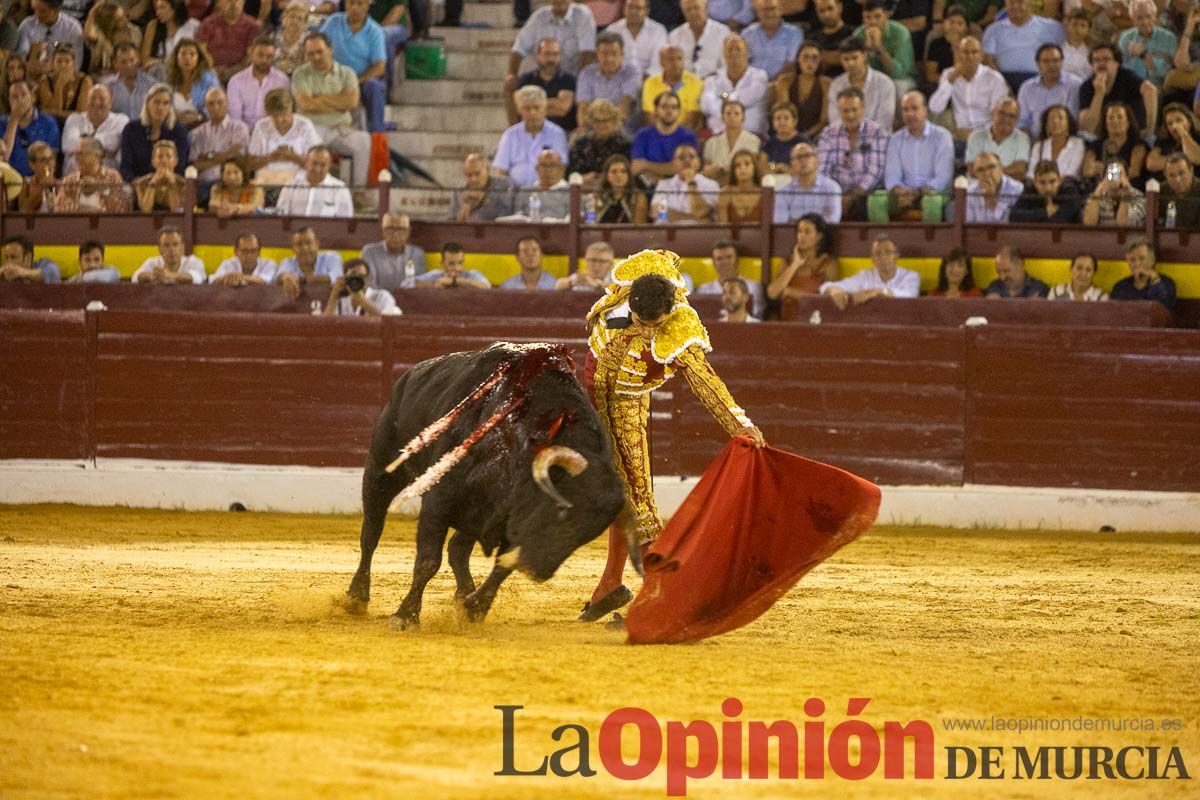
[[809, 190], [920, 162]]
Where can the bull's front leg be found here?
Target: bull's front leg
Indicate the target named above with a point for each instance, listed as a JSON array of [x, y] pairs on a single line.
[[479, 603], [432, 528], [458, 552], [378, 490]]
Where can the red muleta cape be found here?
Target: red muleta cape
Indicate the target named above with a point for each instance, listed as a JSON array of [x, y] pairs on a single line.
[[756, 523]]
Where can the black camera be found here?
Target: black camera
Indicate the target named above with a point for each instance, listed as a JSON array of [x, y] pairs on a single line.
[[354, 283]]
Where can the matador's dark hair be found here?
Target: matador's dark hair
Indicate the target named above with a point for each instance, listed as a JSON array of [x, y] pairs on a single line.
[[651, 296]]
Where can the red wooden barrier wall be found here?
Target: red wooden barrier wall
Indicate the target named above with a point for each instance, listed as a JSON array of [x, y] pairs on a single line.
[[44, 385], [1040, 405], [1097, 408]]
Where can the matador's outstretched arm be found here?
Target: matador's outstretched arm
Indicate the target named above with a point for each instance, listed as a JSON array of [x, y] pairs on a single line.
[[712, 392]]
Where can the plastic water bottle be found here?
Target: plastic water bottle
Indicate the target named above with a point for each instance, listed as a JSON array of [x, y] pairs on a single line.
[[660, 212], [1171, 212], [814, 318], [589, 209], [535, 207], [410, 272]]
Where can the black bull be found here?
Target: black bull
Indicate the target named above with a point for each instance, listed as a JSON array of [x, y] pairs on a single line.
[[493, 495]]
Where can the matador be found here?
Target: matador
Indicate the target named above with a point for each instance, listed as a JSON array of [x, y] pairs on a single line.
[[641, 332]]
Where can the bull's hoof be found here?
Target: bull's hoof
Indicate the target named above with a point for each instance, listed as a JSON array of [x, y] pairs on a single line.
[[474, 609], [351, 604], [399, 623]]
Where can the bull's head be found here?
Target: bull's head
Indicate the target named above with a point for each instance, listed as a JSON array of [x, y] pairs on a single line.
[[561, 509], [574, 463]]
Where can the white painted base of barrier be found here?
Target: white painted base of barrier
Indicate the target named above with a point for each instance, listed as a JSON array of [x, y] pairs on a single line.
[[198, 486]]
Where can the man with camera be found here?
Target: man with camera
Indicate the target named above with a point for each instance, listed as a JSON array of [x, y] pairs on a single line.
[[351, 296]]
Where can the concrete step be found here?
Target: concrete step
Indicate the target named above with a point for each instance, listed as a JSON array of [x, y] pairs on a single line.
[[421, 144], [477, 39], [495, 15], [476, 65], [464, 118], [449, 92], [431, 204]]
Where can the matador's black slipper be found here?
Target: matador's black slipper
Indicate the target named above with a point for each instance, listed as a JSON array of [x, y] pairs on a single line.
[[618, 597]]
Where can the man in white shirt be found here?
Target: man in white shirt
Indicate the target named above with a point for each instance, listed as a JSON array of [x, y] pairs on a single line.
[[701, 39], [314, 192], [971, 88], [878, 90], [351, 296], [280, 140], [886, 279], [246, 267], [643, 36], [170, 265], [688, 195], [737, 80], [98, 122]]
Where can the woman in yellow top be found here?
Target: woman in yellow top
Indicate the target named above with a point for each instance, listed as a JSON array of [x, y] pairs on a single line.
[[641, 333]]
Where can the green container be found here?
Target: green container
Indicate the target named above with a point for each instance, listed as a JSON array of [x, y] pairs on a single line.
[[425, 60]]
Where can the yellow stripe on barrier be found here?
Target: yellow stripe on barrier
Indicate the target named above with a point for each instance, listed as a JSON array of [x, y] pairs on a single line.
[[498, 267]]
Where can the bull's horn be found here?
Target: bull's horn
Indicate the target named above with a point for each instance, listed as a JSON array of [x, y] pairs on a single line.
[[570, 460]]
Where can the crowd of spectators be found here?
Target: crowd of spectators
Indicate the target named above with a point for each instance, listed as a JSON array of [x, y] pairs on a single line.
[[897, 97], [878, 103], [364, 285], [218, 83], [860, 110]]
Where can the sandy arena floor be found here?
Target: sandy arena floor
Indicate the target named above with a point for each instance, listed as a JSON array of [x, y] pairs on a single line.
[[148, 654]]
